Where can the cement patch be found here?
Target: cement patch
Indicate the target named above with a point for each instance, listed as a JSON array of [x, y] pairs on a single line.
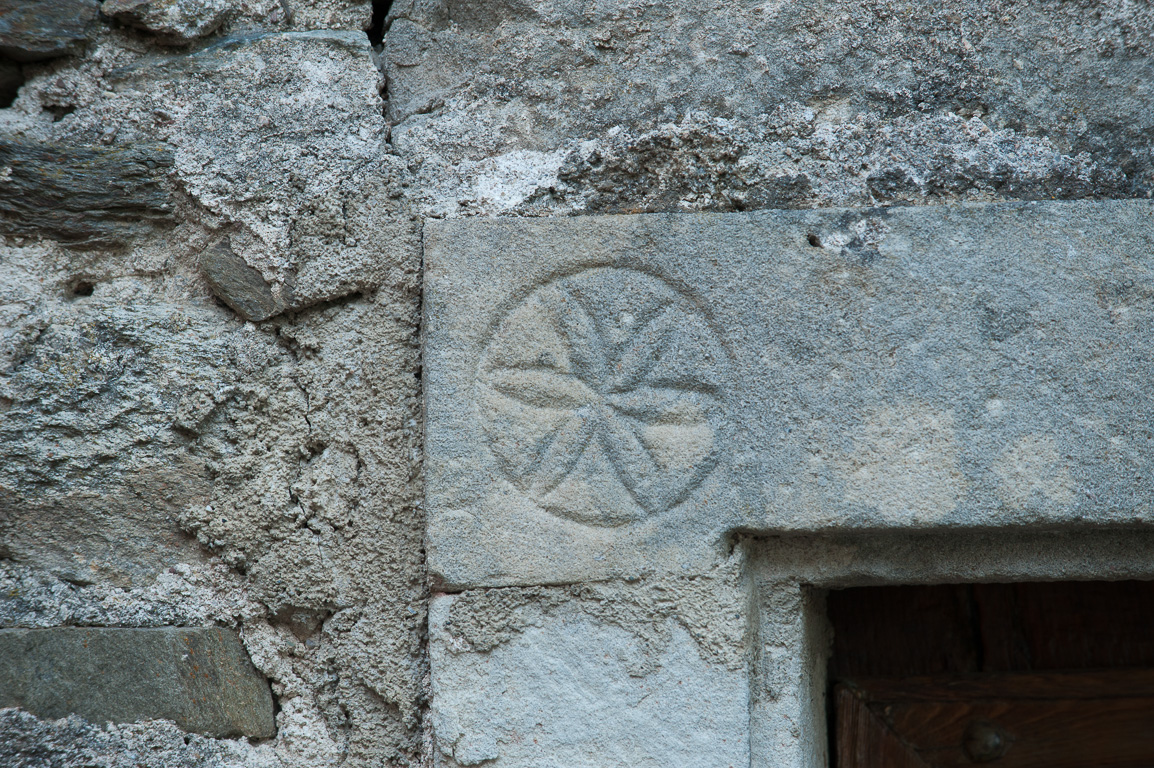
[[570, 691]]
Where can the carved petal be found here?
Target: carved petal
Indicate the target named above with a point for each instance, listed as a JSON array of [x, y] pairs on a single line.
[[643, 351], [542, 388]]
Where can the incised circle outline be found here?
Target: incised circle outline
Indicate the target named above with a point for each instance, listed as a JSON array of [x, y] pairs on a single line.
[[601, 394]]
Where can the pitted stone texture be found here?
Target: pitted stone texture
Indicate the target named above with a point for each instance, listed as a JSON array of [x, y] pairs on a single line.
[[968, 367], [92, 473], [635, 106], [176, 21], [138, 413], [575, 691], [200, 678], [135, 410], [181, 596], [72, 742], [280, 139]]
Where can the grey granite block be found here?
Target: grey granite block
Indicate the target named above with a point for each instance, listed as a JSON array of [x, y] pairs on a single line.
[[615, 396], [201, 678]]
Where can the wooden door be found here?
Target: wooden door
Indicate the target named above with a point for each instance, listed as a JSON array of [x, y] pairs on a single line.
[[1013, 676]]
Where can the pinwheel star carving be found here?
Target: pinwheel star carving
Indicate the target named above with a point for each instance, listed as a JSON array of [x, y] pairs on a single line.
[[601, 397]]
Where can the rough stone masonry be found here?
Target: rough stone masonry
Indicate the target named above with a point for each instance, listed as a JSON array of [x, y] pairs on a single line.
[[217, 218]]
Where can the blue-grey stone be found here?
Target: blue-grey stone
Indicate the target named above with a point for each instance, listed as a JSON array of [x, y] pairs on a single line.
[[201, 678], [31, 30]]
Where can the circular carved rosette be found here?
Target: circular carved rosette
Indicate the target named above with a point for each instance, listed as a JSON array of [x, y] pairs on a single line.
[[601, 395]]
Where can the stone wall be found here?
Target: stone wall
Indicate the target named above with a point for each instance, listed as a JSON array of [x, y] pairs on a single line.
[[213, 217], [210, 298]]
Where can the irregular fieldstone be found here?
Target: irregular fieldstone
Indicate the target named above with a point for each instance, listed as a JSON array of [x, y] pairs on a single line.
[[175, 21], [93, 474], [200, 678], [32, 30], [684, 105], [237, 284], [251, 142], [83, 195], [606, 396], [28, 741]]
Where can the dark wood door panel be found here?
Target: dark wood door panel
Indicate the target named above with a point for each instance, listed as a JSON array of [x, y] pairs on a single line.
[[903, 631], [1065, 625], [963, 628], [1011, 733], [1053, 720], [1091, 684], [864, 738], [1045, 675]]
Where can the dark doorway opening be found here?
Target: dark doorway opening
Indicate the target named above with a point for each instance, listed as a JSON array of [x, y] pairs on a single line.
[[1058, 674]]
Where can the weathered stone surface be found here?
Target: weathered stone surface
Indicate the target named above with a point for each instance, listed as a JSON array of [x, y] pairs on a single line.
[[31, 30], [83, 195], [103, 394], [182, 596], [201, 679], [614, 396], [176, 21], [237, 284], [565, 688], [163, 462], [788, 673], [630, 107], [838, 560], [281, 137], [292, 449], [143, 412], [75, 743]]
